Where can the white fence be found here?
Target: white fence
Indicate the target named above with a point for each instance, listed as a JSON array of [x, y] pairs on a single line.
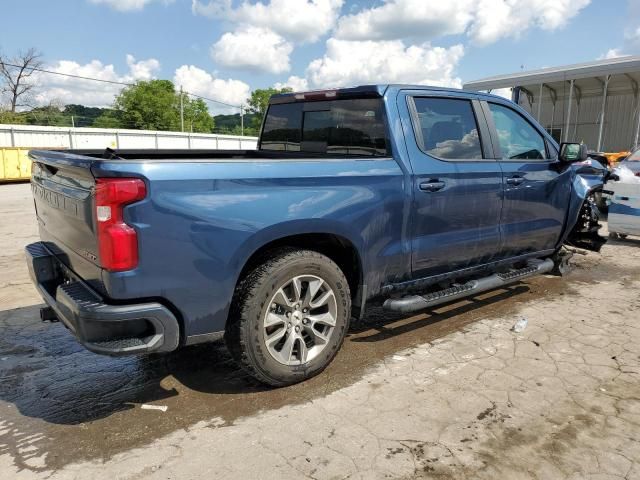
[[28, 136]]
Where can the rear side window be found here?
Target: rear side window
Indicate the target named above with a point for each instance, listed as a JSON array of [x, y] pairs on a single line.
[[447, 128], [518, 139], [336, 127]]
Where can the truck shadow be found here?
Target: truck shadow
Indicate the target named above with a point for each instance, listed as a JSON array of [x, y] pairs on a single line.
[[384, 328], [69, 404]]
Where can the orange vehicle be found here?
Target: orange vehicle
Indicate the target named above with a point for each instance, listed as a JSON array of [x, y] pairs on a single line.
[[614, 158]]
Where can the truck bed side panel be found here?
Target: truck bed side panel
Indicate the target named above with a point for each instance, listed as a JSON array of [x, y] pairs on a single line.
[[203, 220]]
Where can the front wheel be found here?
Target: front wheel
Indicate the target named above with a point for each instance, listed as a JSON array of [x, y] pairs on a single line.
[[289, 317]]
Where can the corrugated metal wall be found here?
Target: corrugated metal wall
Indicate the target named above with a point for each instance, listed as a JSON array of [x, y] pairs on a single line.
[[621, 117], [62, 137]]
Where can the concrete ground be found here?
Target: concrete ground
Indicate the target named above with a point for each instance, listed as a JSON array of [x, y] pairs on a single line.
[[451, 393]]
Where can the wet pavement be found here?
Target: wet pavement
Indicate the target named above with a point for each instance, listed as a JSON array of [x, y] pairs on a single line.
[[64, 410]]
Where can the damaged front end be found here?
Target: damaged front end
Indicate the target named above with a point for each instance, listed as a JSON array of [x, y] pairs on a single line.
[[584, 233], [583, 216]]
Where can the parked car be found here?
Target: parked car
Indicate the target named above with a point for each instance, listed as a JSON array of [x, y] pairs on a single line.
[[632, 162], [412, 194]]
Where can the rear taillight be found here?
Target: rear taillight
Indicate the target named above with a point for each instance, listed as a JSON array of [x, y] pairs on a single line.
[[117, 241]]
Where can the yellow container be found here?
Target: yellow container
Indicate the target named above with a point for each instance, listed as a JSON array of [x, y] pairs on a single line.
[[14, 164]]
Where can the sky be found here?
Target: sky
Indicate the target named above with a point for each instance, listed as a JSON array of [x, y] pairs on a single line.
[[223, 49]]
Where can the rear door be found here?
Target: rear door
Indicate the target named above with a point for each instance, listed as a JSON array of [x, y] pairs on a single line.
[[536, 188], [457, 185]]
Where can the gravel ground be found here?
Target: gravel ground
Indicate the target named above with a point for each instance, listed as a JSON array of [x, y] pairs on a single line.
[[450, 393]]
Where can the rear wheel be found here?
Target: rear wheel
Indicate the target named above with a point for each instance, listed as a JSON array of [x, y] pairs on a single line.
[[289, 317]]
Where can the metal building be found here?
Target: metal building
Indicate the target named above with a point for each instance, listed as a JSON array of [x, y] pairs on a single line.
[[595, 102]]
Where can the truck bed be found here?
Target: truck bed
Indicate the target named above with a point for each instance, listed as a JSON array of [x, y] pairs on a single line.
[[200, 155]]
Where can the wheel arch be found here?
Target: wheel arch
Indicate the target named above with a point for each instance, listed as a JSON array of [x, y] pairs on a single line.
[[339, 248]]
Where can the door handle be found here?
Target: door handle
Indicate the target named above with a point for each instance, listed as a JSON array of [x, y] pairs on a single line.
[[431, 186], [515, 181]]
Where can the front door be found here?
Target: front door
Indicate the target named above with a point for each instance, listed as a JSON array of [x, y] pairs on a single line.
[[536, 189], [457, 186]]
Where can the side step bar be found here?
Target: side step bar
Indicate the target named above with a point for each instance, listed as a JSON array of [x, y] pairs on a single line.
[[420, 302]]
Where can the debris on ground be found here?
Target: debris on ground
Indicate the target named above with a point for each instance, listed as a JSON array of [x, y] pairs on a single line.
[[162, 408], [520, 325]]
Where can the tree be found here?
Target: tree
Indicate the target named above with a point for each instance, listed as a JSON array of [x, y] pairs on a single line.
[[259, 101], [155, 105], [83, 116], [50, 115], [109, 119], [196, 115], [8, 117], [16, 73], [148, 105], [230, 124]]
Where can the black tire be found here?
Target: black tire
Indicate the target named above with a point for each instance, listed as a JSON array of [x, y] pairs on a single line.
[[244, 332]]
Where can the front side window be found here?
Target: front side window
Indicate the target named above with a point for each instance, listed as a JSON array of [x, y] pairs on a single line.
[[336, 127], [447, 128], [518, 139]]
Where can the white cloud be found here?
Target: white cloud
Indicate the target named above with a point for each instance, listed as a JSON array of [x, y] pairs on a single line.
[[65, 90], [484, 21], [502, 92], [195, 80], [496, 19], [298, 20], [297, 84], [144, 69], [348, 63], [253, 48], [128, 5], [631, 44], [397, 19], [612, 53], [60, 90]]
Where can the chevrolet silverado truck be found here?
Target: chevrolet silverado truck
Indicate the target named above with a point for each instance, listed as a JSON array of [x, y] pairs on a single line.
[[410, 195]]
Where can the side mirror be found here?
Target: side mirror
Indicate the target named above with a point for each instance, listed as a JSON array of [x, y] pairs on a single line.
[[573, 152]]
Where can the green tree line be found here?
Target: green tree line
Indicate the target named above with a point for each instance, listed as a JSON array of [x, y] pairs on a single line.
[[150, 105]]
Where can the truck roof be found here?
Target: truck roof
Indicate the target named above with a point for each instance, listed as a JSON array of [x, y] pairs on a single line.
[[362, 91]]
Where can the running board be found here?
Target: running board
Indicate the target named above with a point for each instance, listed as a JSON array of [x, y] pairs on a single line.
[[420, 302]]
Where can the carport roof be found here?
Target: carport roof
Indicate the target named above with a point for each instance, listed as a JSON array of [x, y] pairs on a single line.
[[598, 68]]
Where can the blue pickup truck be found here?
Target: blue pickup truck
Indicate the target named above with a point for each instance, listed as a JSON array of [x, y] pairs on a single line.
[[410, 195]]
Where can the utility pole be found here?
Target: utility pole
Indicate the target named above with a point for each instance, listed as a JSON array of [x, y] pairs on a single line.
[[181, 110], [242, 120], [73, 123]]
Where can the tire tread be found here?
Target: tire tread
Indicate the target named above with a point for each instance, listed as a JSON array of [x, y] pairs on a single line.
[[246, 291]]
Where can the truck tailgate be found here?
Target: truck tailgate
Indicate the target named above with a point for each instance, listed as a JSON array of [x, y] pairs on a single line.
[[63, 192]]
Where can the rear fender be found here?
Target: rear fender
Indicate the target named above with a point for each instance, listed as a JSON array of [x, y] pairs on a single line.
[[293, 228]]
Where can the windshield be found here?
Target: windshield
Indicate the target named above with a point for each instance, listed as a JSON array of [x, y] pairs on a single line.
[[336, 127]]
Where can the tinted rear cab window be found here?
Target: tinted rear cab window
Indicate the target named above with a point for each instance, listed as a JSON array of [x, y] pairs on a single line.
[[336, 127]]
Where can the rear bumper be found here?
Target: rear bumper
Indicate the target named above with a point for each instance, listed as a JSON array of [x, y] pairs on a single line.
[[101, 327]]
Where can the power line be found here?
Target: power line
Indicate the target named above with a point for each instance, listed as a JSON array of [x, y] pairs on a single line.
[[113, 82]]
